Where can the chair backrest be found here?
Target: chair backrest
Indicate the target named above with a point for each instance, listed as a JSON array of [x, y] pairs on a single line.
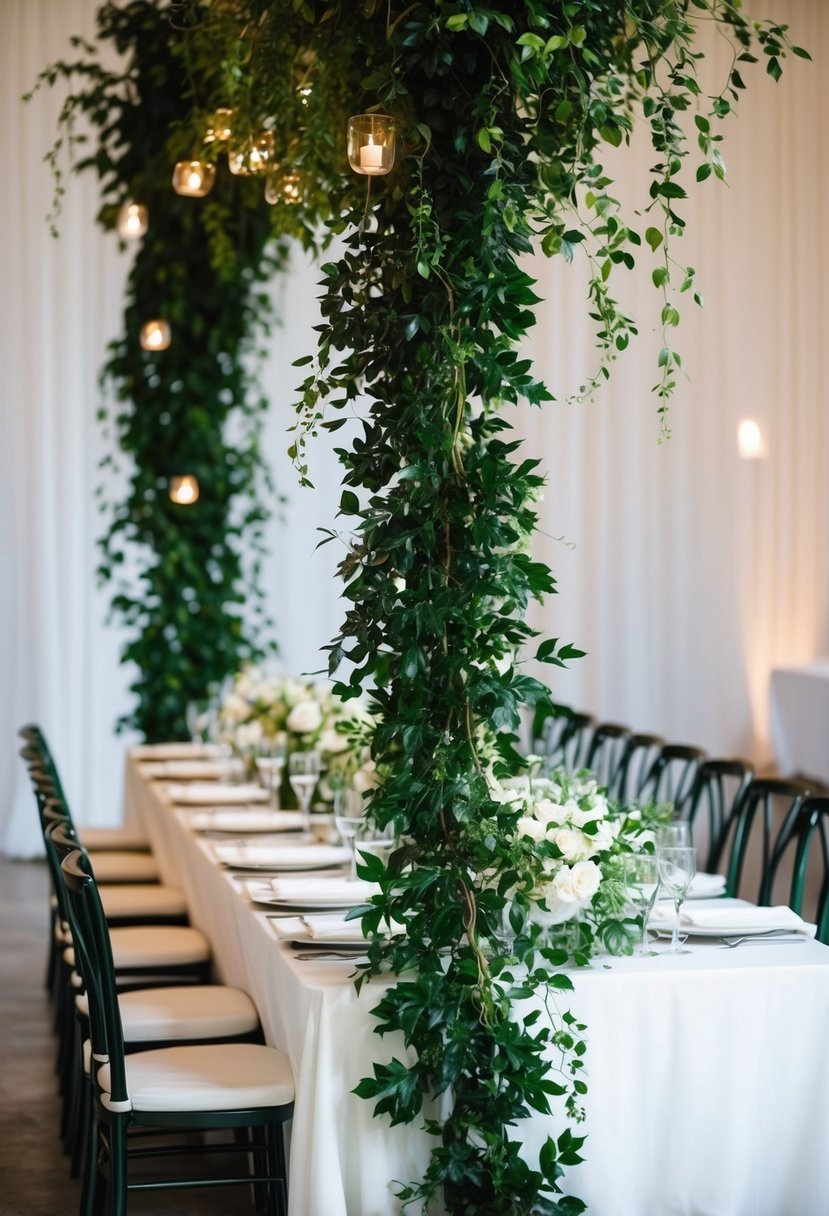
[[59, 839], [605, 750], [766, 802], [639, 753], [718, 787], [806, 824], [671, 775], [563, 741], [93, 953]]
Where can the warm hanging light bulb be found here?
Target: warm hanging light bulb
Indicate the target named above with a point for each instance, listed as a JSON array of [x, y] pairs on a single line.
[[133, 220], [371, 144], [155, 335], [184, 489], [194, 178], [750, 442]]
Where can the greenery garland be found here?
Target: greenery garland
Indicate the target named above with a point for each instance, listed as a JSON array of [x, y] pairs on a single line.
[[502, 109], [185, 577]]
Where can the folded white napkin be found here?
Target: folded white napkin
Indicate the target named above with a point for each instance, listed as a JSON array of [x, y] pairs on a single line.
[[334, 890], [730, 920], [215, 793], [244, 820], [173, 751], [193, 770], [333, 929], [296, 857], [289, 929]]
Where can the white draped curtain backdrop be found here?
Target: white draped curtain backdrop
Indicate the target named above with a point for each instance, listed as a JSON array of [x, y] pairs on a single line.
[[686, 573]]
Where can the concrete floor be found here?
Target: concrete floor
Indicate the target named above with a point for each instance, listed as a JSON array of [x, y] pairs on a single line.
[[34, 1174]]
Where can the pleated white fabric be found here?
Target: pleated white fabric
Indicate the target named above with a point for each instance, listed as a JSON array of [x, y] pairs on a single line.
[[693, 573]]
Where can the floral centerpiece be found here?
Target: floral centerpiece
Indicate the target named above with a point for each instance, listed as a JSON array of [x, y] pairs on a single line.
[[569, 842], [260, 707]]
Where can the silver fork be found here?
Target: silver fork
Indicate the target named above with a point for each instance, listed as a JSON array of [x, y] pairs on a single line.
[[761, 939]]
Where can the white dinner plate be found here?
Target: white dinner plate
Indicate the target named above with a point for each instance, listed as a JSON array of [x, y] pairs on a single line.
[[261, 893]]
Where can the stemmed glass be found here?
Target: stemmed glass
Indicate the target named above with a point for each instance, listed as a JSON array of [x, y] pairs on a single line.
[[677, 867], [304, 773], [642, 883], [353, 823], [675, 835], [197, 720], [271, 755]]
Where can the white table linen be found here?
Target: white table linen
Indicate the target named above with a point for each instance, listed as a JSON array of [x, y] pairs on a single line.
[[708, 1076], [799, 720]]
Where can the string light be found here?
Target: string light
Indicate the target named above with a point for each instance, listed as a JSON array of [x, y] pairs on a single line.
[[155, 335], [184, 489]]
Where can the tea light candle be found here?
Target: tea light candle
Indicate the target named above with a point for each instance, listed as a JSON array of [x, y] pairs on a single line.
[[371, 155], [155, 335], [184, 489], [133, 220], [194, 178]]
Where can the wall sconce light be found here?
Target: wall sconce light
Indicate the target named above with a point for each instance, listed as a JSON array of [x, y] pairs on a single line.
[[751, 443], [194, 178], [184, 489], [285, 188], [133, 220], [155, 335], [371, 144], [254, 155]]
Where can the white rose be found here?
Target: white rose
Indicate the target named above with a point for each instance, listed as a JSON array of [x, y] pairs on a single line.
[[294, 692], [562, 888], [248, 735], [531, 828], [584, 880], [574, 845], [235, 708], [365, 778], [332, 741], [305, 717], [548, 812], [604, 837]]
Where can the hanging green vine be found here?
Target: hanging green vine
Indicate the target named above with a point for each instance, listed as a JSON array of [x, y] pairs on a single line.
[[502, 110], [185, 578]]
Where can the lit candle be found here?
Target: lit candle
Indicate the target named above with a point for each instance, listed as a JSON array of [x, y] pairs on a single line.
[[371, 155], [132, 221], [155, 335], [184, 490], [194, 178]]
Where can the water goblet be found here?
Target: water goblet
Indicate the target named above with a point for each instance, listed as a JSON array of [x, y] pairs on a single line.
[[674, 835], [677, 867], [350, 808], [304, 773], [197, 720], [271, 755], [642, 884]]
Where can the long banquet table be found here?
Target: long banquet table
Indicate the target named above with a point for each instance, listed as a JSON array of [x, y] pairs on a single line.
[[708, 1073]]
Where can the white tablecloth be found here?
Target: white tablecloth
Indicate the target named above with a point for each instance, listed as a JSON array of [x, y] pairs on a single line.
[[708, 1073], [799, 719]]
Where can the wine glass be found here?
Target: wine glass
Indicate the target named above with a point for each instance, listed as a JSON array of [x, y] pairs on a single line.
[[303, 774], [677, 867], [271, 755], [196, 717], [642, 884], [350, 817], [674, 835]]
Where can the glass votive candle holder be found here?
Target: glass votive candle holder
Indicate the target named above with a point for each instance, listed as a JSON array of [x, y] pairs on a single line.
[[254, 155], [371, 144], [155, 335], [184, 489], [285, 188], [133, 220], [220, 126], [194, 178]]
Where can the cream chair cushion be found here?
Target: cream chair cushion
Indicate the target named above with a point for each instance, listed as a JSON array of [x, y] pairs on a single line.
[[141, 900], [226, 1076], [120, 839], [124, 867], [198, 1012], [153, 946]]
